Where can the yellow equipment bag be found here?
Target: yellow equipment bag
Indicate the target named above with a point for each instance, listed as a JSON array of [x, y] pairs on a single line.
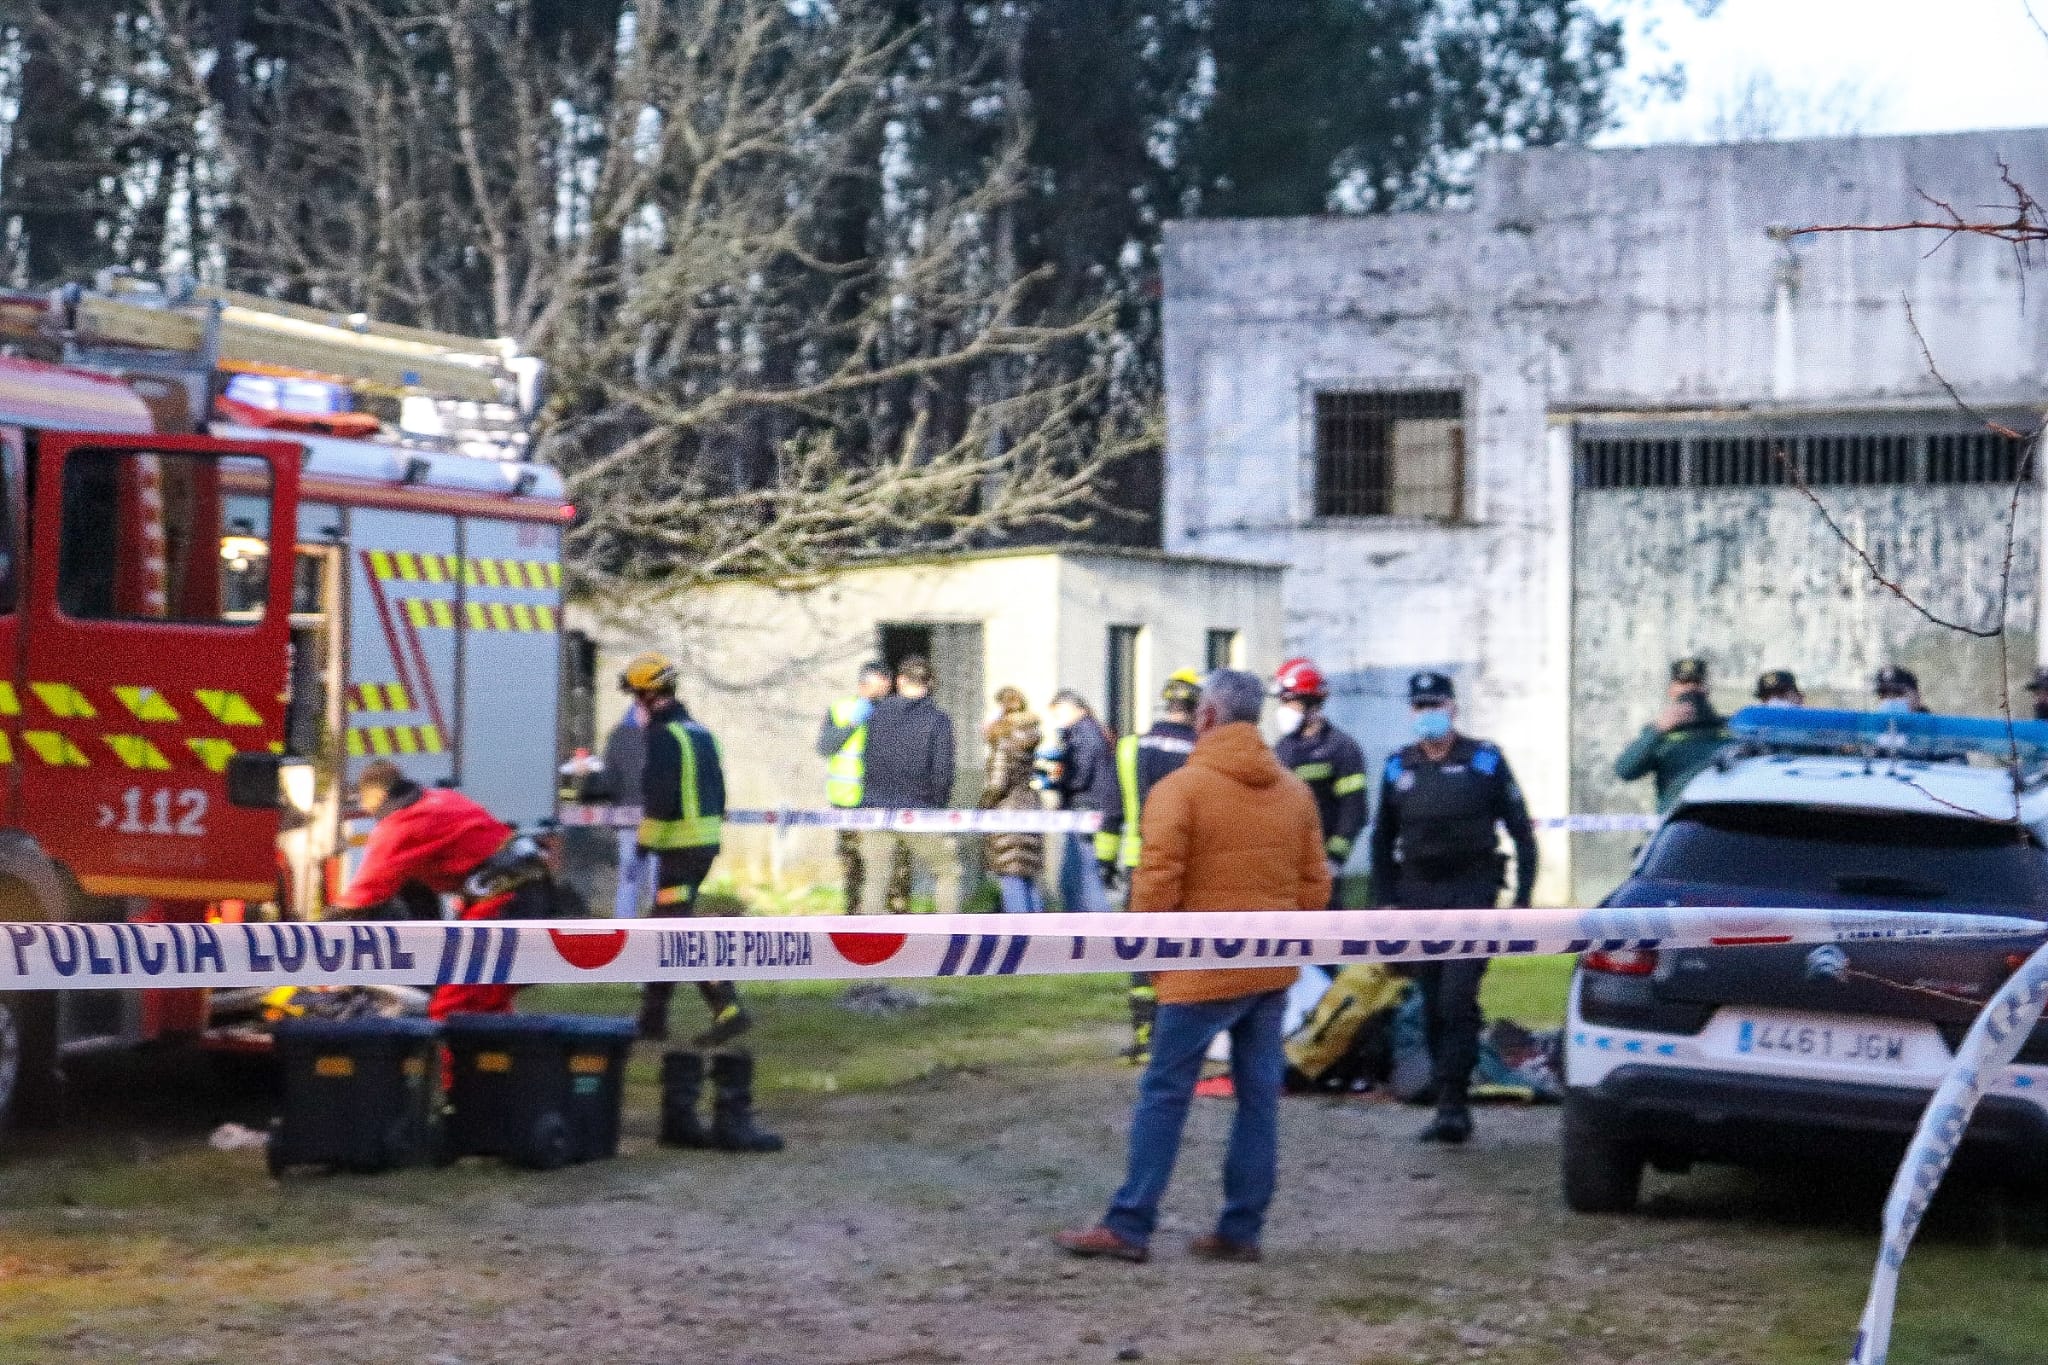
[[1327, 1035]]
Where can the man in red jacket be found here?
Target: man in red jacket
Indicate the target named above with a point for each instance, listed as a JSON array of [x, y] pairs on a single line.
[[439, 839]]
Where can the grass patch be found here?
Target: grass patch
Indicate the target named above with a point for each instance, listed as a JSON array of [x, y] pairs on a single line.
[[806, 1041], [1529, 990]]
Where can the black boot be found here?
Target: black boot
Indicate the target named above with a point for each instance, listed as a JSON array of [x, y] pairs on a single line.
[[732, 1106], [1144, 1010], [1452, 1125], [654, 997], [728, 1019], [682, 1090]]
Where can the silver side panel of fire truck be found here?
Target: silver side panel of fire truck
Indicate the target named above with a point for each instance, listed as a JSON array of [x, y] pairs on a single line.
[[438, 634]]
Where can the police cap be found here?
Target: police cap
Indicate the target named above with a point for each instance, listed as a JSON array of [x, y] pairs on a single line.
[[2040, 681], [1430, 686], [1893, 681], [1691, 670], [1779, 682]]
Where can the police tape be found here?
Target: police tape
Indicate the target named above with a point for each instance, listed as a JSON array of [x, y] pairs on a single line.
[[58, 956], [898, 821], [581, 816], [2001, 1029]]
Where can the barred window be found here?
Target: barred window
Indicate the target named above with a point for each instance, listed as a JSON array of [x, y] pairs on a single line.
[[1390, 453], [1819, 458]]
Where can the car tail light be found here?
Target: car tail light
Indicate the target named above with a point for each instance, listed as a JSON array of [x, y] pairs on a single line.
[[1622, 962]]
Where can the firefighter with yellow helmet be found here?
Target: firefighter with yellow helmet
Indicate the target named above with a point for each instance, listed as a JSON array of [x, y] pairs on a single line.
[[682, 804], [1141, 760]]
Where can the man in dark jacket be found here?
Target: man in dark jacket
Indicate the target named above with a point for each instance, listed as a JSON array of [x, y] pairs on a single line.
[[1326, 758], [1141, 761], [1683, 739], [1435, 847], [909, 766], [1087, 781]]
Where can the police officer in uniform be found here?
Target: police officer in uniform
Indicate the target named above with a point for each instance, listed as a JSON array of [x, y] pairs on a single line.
[[843, 744], [1679, 744], [1323, 756], [1434, 848], [682, 801], [1141, 760]]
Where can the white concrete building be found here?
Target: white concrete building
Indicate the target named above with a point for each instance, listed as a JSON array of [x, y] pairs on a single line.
[[1540, 441], [762, 661]]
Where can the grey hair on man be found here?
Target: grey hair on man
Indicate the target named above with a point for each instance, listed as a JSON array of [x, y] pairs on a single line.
[[1232, 694]]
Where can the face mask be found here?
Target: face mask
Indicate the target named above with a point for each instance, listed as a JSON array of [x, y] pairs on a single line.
[[1894, 705], [1781, 701], [1289, 719], [1434, 723]]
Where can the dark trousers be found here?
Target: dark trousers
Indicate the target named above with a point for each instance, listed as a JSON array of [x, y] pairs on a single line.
[[679, 874], [1450, 990]]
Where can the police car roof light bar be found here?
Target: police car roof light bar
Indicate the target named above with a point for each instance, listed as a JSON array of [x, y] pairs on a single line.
[[1890, 734]]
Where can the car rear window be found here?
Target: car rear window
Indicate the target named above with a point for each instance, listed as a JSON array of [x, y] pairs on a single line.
[[1892, 858]]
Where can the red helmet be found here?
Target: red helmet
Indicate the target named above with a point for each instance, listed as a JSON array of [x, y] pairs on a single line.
[[1300, 680]]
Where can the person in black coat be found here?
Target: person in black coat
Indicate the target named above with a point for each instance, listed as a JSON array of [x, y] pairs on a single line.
[[1087, 782], [909, 767]]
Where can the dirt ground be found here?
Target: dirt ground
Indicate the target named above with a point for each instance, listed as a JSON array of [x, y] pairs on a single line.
[[909, 1223]]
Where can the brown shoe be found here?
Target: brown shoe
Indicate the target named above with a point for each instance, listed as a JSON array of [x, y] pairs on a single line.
[[1100, 1241], [1211, 1247]]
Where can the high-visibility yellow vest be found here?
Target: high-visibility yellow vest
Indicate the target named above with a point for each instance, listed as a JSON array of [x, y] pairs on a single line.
[[1130, 846], [846, 771], [695, 828]]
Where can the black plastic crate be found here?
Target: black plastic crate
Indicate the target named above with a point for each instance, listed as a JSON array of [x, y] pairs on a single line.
[[538, 1090], [359, 1094]]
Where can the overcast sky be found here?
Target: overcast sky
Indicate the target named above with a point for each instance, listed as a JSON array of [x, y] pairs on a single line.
[[1889, 66]]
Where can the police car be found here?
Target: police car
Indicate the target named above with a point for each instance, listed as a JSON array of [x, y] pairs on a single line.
[[1761, 1055]]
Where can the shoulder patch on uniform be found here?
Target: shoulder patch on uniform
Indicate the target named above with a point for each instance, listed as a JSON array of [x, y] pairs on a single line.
[[1486, 760], [1393, 773]]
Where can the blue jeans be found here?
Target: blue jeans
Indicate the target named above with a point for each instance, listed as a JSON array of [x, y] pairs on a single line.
[[1180, 1038], [1080, 878], [1021, 895]]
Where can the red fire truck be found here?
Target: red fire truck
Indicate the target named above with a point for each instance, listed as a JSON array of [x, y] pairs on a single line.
[[215, 609]]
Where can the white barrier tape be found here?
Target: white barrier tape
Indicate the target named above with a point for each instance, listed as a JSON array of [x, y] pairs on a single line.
[[504, 952], [580, 816], [2001, 1029], [901, 821], [1600, 824]]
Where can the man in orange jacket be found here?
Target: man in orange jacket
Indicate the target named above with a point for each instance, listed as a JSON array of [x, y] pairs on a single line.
[[1231, 830], [441, 840]]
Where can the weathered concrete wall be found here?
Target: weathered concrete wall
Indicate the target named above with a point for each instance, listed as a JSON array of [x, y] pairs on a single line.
[[1752, 579], [761, 664], [1628, 281]]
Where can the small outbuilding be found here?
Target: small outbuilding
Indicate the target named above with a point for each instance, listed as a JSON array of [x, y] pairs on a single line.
[[761, 661]]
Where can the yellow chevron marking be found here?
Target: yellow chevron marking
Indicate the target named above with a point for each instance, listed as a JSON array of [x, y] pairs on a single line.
[[544, 619], [355, 744], [214, 753], [137, 752], [522, 616], [380, 564], [54, 749], [146, 703], [408, 566], [6, 749], [229, 708], [403, 736], [10, 704], [554, 573], [430, 738], [436, 567], [380, 741], [501, 616], [63, 700]]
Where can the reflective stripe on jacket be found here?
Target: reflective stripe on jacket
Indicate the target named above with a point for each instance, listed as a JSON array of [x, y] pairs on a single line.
[[683, 785], [846, 769], [1141, 760]]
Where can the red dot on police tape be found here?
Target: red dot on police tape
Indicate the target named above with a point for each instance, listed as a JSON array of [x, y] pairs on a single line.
[[586, 950], [865, 950]]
